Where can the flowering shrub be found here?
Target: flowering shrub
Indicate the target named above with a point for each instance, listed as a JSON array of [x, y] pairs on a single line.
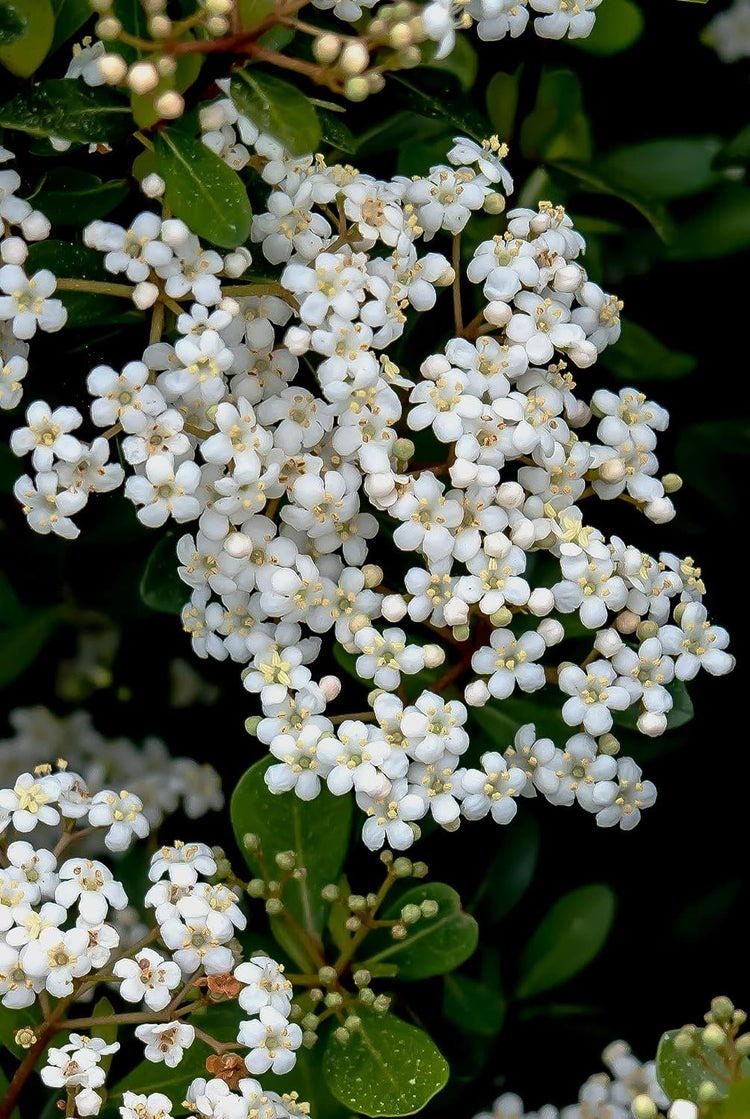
[[363, 408]]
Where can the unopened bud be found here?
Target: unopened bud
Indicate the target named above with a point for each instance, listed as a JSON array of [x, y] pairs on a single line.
[[170, 105], [333, 1000], [143, 77], [153, 186], [501, 618], [429, 908], [683, 1109], [354, 58], [250, 841], [381, 1004], [456, 612], [713, 1036], [13, 250], [330, 686], [742, 1045], [112, 68], [419, 870], [352, 1023], [393, 607], [626, 621], [683, 1041], [494, 203], [353, 923], [612, 471], [646, 629], [358, 622], [643, 1107], [461, 633], [476, 694], [672, 483], [274, 907], [404, 449], [144, 295], [297, 340], [707, 1092], [108, 28], [497, 545], [410, 914], [402, 867], [373, 575], [327, 48], [551, 631], [608, 642], [608, 744], [541, 602], [434, 656], [361, 977], [660, 511], [237, 262], [398, 932], [285, 860], [160, 27], [652, 723], [356, 89], [327, 975], [341, 1035]]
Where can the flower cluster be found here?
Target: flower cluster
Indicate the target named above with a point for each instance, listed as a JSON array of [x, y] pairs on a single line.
[[275, 417], [61, 935], [162, 784], [630, 1089]]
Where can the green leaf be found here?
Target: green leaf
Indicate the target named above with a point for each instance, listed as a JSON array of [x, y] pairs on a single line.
[[438, 96], [462, 61], [502, 103], [501, 719], [510, 871], [681, 1074], [735, 152], [619, 24], [279, 108], [570, 935], [719, 229], [557, 127], [639, 356], [387, 1067], [70, 110], [186, 72], [592, 180], [70, 16], [336, 133], [253, 12], [310, 1085], [161, 587], [472, 1006], [317, 830], [675, 167], [432, 946], [737, 1103], [202, 190], [13, 23], [22, 642], [725, 444], [72, 197], [28, 52]]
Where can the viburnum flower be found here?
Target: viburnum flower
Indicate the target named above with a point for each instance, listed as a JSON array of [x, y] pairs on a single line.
[[148, 977], [182, 863], [31, 801], [58, 958], [26, 301], [165, 1041], [91, 886], [264, 984], [122, 814], [492, 789], [48, 508], [272, 1041], [136, 1105]]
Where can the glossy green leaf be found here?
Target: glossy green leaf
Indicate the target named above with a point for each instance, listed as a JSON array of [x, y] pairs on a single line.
[[557, 127], [502, 103], [13, 23], [500, 720], [590, 179], [253, 12], [438, 96], [570, 936], [735, 152], [639, 356], [674, 167], [23, 640], [722, 227], [72, 197], [279, 108], [510, 871], [737, 1103], [70, 110], [12, 1020], [462, 61], [472, 1006], [681, 1074], [619, 24], [143, 105], [432, 946], [386, 1068], [725, 444], [70, 16], [310, 1085], [26, 54], [317, 830], [335, 131], [161, 587], [202, 190]]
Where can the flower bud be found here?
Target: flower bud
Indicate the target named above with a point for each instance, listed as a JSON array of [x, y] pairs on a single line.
[[393, 607], [361, 977], [608, 744], [398, 932], [13, 250], [660, 511], [174, 232], [274, 907], [501, 618], [626, 621], [510, 495], [461, 633], [643, 1107], [327, 975], [250, 841], [552, 631], [145, 295], [707, 1092], [252, 723], [356, 89], [497, 545], [143, 77], [404, 449], [742, 1045], [112, 68], [354, 59], [646, 629], [381, 1004], [153, 186], [327, 48], [170, 105], [498, 313], [108, 28], [285, 860], [683, 1109], [160, 27], [25, 1037], [652, 723], [352, 1023], [476, 693], [541, 602], [330, 686], [341, 1035], [434, 656], [402, 867], [612, 471], [429, 908], [494, 203], [608, 642], [456, 612], [297, 340], [373, 575], [713, 1036], [238, 545], [419, 870], [237, 262]]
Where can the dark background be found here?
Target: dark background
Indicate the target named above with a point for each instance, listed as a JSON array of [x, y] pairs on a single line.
[[680, 934]]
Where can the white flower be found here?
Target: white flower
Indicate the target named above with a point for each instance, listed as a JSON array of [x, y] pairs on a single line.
[[486, 155], [48, 508], [79, 1072], [272, 1041], [391, 816], [433, 727], [511, 660], [182, 863], [561, 18], [18, 989], [535, 757], [13, 369], [30, 802], [386, 655], [621, 801], [140, 1106], [438, 786], [300, 767], [358, 757], [47, 435], [36, 869], [126, 398], [493, 789], [264, 985], [696, 644], [198, 937], [165, 1041], [91, 885], [58, 958], [122, 814], [27, 304], [577, 773], [594, 695], [134, 251], [147, 977], [163, 491]]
